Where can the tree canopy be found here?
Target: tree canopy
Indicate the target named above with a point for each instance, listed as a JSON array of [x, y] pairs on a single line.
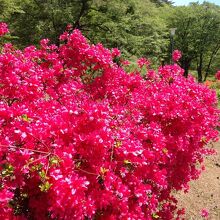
[[137, 28], [197, 36]]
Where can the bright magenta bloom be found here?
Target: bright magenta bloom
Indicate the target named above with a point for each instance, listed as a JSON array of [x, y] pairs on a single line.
[[83, 139], [143, 62], [3, 29], [204, 213], [217, 75], [176, 55]]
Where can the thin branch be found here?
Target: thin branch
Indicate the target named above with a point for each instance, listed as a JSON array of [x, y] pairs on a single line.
[[38, 140], [47, 168], [34, 161], [87, 172], [112, 153], [22, 148]]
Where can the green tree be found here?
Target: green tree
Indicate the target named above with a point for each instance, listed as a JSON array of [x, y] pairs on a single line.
[[46, 18], [197, 35], [133, 26], [7, 8]]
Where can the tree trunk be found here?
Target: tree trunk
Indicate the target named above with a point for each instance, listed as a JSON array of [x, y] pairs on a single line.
[[83, 10], [185, 64], [210, 60], [199, 68]]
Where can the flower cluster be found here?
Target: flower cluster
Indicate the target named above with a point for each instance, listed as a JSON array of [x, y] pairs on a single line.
[[3, 29], [176, 55], [83, 139], [143, 62], [217, 75], [204, 213]]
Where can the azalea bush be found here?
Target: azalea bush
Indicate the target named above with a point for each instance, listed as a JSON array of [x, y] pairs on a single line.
[[3, 28], [217, 75], [83, 139]]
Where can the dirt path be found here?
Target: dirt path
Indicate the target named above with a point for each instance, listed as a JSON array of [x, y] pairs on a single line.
[[204, 192]]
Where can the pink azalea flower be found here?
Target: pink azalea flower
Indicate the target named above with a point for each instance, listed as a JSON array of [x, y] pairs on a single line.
[[143, 61], [116, 52], [69, 27], [126, 63], [81, 138], [3, 28], [176, 55], [217, 75], [204, 213]]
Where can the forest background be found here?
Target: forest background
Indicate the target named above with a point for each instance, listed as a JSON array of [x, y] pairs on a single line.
[[139, 28]]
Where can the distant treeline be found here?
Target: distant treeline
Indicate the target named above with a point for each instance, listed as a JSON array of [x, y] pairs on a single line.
[[136, 27]]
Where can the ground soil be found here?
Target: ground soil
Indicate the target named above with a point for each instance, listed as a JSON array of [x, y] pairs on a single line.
[[204, 192]]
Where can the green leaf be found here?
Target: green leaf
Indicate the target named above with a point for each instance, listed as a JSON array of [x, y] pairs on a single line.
[[127, 162], [54, 160], [25, 118], [8, 170], [155, 216], [44, 187], [43, 175]]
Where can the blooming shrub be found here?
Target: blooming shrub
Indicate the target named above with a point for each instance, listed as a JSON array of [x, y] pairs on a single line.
[[204, 213], [217, 75], [176, 55], [83, 139], [3, 29]]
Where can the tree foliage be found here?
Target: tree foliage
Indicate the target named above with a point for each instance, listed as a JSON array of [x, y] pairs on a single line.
[[137, 28], [134, 27], [197, 35]]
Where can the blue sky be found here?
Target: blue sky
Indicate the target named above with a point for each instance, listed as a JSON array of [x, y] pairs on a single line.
[[186, 2]]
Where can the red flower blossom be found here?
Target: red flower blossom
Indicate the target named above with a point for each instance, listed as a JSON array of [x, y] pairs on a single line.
[[217, 75], [116, 52], [204, 213], [176, 55], [126, 62], [143, 62], [81, 138], [3, 29]]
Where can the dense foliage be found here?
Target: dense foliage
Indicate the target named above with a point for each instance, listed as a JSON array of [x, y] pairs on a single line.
[[133, 26], [83, 139], [137, 28], [197, 36]]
